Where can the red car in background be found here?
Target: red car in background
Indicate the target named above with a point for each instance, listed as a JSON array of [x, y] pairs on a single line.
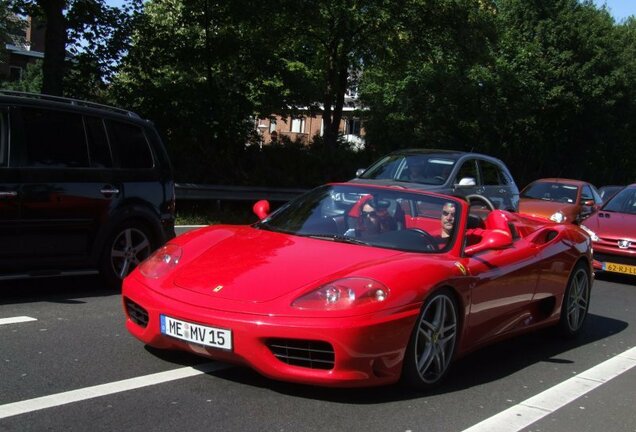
[[359, 285], [613, 232], [559, 199]]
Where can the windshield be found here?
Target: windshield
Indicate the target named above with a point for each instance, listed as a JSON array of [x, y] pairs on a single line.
[[429, 169], [551, 191], [623, 202], [393, 219]]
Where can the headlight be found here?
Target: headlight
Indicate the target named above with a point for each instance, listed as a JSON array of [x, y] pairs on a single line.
[[342, 294], [558, 217], [161, 261], [591, 233]]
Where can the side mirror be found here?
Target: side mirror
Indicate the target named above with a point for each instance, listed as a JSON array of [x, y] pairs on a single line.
[[261, 209], [490, 239], [466, 181], [588, 203], [359, 171]]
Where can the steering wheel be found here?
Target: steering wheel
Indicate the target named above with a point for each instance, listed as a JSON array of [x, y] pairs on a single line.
[[440, 179], [431, 243], [476, 199]]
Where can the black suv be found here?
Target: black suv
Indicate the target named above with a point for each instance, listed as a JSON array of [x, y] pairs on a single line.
[[472, 175], [83, 187]]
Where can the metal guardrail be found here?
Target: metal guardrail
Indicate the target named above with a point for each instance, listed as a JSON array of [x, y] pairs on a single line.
[[191, 191]]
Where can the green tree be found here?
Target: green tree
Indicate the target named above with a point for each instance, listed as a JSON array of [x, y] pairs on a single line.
[[321, 48], [31, 81], [425, 89], [191, 68], [559, 89], [84, 40]]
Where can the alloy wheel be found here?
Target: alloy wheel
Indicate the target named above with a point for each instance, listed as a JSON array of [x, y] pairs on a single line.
[[129, 248], [435, 338]]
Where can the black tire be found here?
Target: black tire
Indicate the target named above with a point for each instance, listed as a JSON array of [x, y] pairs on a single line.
[[128, 245], [432, 343], [576, 301]]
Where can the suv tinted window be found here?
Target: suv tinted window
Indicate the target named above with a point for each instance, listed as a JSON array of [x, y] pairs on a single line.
[[491, 174], [54, 139], [468, 169], [4, 142], [129, 145], [98, 144]]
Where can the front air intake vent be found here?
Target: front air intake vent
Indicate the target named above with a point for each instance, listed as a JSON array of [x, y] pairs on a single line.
[[303, 353], [136, 313]]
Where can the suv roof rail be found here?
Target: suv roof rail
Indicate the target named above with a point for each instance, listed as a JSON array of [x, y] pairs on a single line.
[[70, 101]]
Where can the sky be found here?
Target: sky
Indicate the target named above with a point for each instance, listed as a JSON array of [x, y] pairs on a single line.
[[620, 9]]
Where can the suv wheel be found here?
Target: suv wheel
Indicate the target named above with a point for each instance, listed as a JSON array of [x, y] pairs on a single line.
[[126, 248]]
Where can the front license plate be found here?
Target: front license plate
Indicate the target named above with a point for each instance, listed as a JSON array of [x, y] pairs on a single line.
[[196, 333], [619, 268]]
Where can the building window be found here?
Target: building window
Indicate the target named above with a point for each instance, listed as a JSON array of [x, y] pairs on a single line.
[[352, 127], [272, 125], [298, 125], [15, 73]]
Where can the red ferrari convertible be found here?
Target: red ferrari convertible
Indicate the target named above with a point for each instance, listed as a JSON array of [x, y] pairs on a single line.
[[360, 285]]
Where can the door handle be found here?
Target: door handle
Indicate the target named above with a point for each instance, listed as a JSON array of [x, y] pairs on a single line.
[[109, 190], [8, 194], [502, 191]]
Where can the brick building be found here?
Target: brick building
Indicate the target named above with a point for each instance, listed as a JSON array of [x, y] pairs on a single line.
[[304, 126], [24, 48]]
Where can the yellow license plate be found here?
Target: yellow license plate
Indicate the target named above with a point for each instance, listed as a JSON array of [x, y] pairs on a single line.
[[619, 268]]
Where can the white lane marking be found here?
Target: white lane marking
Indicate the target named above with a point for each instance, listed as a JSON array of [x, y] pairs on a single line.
[[26, 406], [16, 320], [535, 408]]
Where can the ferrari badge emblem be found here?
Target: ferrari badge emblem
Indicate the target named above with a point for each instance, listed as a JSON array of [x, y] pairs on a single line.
[[217, 288], [624, 244], [461, 268]]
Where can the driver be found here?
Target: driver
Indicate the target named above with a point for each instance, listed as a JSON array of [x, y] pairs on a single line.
[[447, 221]]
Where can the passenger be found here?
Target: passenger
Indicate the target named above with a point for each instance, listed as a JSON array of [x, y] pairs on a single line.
[[417, 171], [375, 217]]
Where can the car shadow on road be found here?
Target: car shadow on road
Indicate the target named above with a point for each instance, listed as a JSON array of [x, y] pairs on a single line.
[[616, 278], [66, 290], [486, 365]]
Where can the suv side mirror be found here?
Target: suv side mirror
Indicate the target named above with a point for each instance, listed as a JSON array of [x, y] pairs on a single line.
[[261, 209], [466, 181], [359, 172]]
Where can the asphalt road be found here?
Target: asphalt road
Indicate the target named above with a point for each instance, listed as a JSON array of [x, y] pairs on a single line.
[[78, 352]]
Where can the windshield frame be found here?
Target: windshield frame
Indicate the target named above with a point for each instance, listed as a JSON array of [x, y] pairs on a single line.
[[309, 214]]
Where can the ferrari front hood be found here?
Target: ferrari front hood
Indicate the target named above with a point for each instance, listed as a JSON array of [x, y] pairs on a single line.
[[256, 265]]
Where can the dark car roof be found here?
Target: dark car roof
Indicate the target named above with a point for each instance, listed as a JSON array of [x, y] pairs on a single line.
[[68, 104], [572, 182], [454, 154]]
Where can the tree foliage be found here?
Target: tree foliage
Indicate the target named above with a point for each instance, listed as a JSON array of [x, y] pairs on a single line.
[[84, 41], [544, 85], [549, 86]]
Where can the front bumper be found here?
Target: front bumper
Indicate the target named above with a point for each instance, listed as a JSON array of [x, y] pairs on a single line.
[[367, 350], [614, 260]]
